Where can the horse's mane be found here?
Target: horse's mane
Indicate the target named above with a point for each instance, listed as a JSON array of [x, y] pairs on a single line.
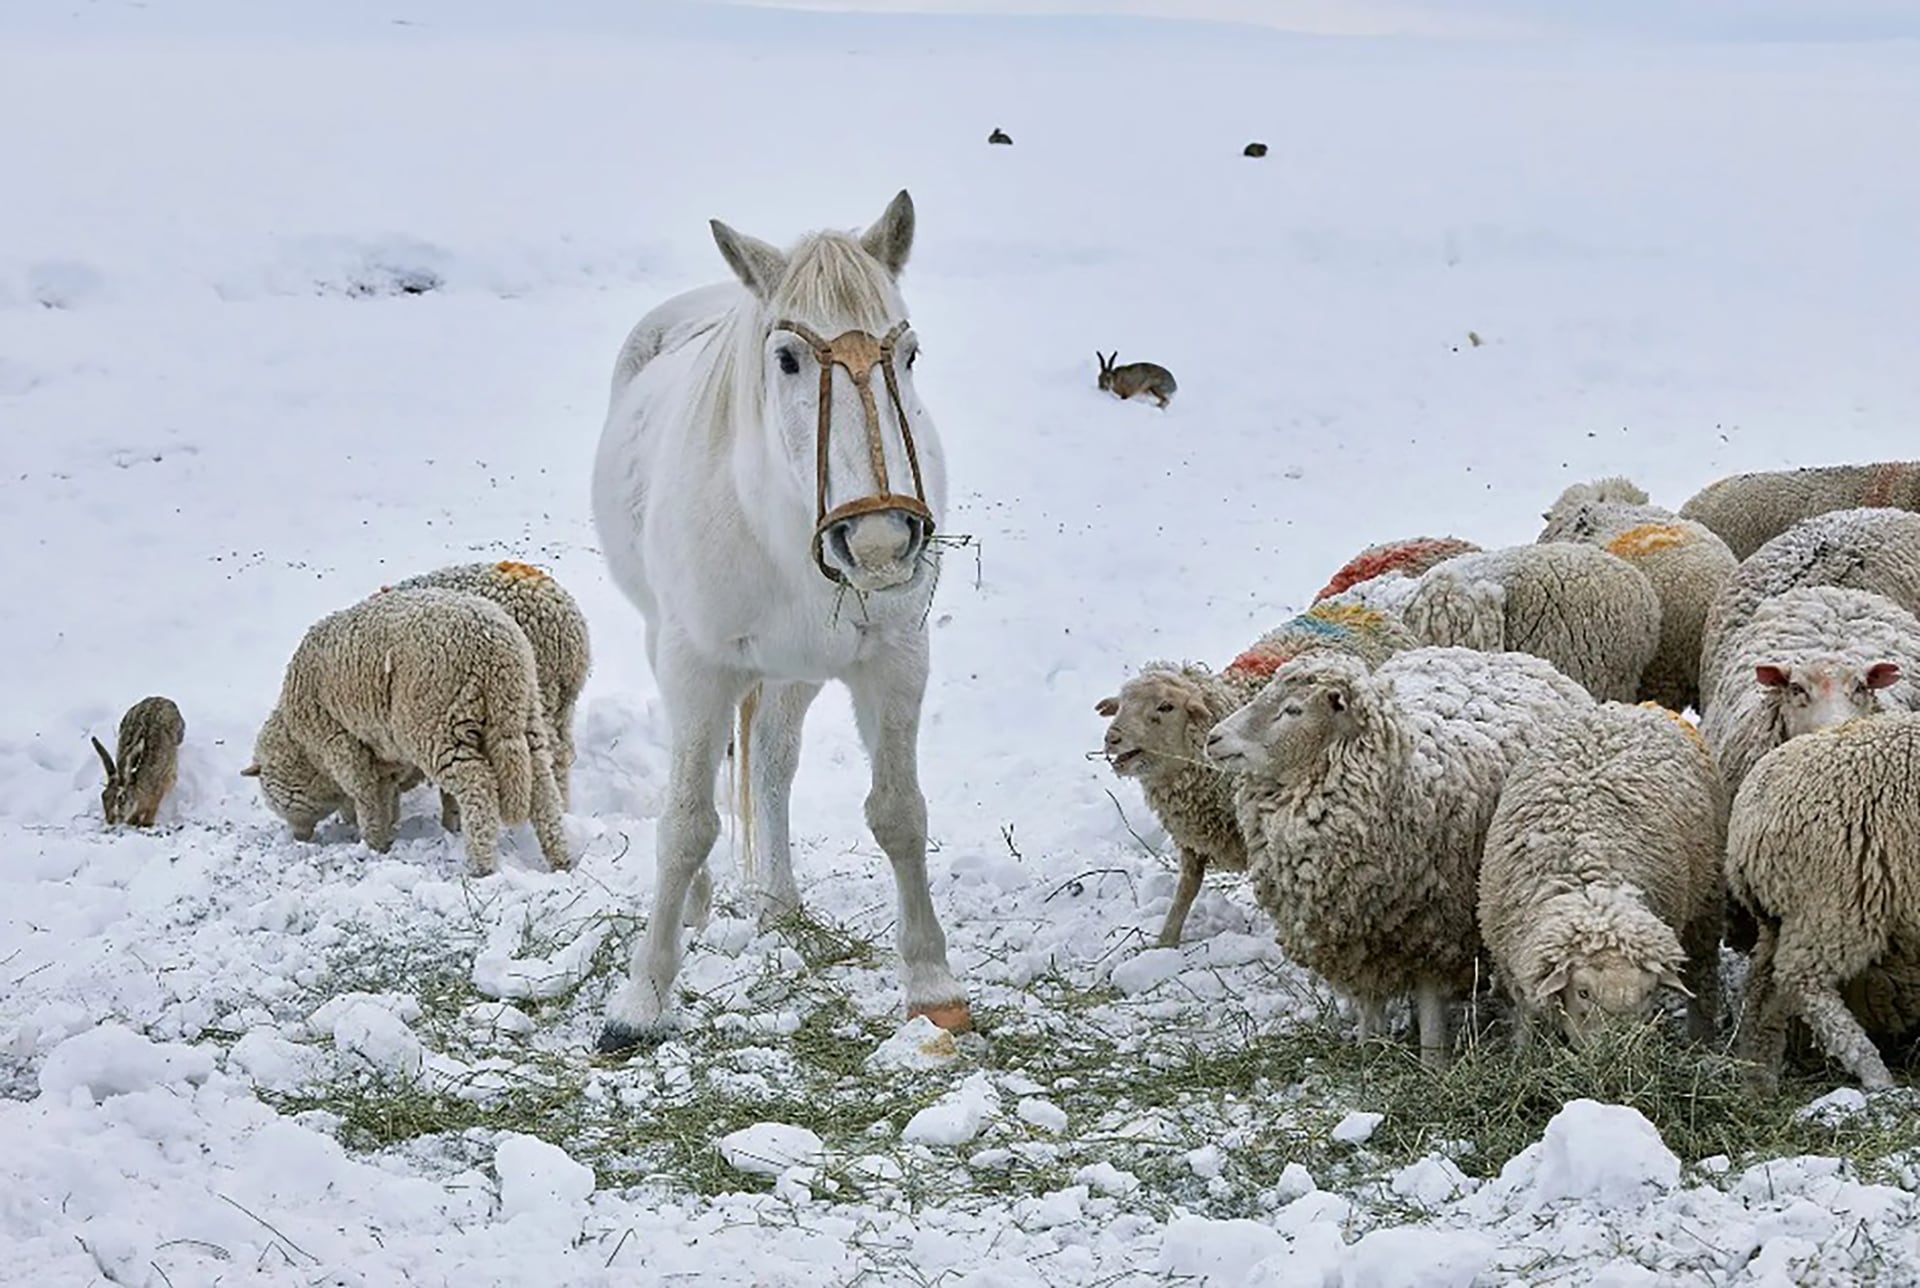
[[832, 285]]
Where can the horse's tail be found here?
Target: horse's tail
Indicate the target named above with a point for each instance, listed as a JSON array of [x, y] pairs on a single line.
[[743, 783]]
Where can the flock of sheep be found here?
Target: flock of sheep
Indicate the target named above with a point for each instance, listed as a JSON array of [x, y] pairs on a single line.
[[1460, 759]]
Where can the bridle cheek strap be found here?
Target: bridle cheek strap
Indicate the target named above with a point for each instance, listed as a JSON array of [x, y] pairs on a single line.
[[859, 352]]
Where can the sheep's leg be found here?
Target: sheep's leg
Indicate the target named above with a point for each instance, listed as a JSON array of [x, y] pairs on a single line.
[[471, 783], [774, 753], [560, 719], [1193, 870], [351, 764], [1430, 1000], [449, 812], [544, 808], [700, 702], [888, 690], [1702, 974], [1764, 1014], [1526, 1025], [1808, 968], [1370, 1018]]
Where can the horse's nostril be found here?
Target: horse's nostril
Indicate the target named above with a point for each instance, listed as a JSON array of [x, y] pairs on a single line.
[[842, 546]]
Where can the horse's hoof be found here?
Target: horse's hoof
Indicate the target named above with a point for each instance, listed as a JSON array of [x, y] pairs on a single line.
[[619, 1039], [954, 1017]]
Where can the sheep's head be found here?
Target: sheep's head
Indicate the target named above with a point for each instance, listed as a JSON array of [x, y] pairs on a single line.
[[1156, 723], [1570, 517], [1287, 728], [1603, 958], [294, 787], [1822, 692]]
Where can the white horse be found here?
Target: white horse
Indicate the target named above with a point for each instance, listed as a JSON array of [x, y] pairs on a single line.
[[769, 513]]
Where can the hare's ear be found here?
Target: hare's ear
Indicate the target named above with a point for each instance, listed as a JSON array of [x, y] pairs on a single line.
[[890, 240], [106, 759], [251, 771]]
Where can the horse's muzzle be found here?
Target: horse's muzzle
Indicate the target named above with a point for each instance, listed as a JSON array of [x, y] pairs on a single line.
[[875, 551]]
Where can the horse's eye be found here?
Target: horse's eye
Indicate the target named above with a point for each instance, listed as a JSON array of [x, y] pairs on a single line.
[[788, 363]]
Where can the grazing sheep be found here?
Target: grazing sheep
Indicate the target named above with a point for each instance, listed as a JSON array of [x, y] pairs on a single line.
[[1868, 549], [1601, 881], [431, 679], [1592, 615], [1365, 800], [1749, 510], [1161, 717], [1823, 847], [1809, 659], [555, 627], [1408, 557], [1683, 560], [147, 764]]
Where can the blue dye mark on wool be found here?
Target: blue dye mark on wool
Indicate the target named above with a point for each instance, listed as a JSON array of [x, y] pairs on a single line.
[[1319, 626]]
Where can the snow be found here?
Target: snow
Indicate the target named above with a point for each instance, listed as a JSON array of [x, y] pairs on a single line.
[[1357, 1128], [298, 300]]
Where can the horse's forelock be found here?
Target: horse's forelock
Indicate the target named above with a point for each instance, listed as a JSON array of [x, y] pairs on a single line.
[[833, 285]]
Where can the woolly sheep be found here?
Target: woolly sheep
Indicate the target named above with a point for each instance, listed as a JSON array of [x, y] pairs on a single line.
[[1684, 561], [555, 627], [1749, 510], [1868, 549], [1408, 557], [1160, 719], [1365, 799], [1594, 616], [1601, 880], [1824, 848], [1809, 659], [430, 679]]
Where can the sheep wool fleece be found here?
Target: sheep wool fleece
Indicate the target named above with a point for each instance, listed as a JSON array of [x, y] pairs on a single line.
[[1749, 510]]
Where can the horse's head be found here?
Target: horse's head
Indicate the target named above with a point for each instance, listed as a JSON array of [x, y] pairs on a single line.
[[835, 370]]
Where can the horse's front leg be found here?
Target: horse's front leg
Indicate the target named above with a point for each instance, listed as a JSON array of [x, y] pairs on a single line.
[[774, 744], [887, 694], [700, 703]]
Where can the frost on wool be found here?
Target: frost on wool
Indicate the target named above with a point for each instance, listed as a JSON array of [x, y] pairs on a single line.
[[1601, 879], [1867, 549], [1592, 615], [1366, 799], [1684, 562], [1823, 847], [434, 680], [1748, 510], [1808, 659], [1160, 719], [1409, 557], [554, 625]]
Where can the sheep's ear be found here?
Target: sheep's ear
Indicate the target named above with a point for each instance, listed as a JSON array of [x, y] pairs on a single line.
[[1883, 675], [890, 240], [759, 267], [1108, 706], [1196, 707], [251, 771], [106, 758], [1669, 978], [1771, 676], [1549, 988]]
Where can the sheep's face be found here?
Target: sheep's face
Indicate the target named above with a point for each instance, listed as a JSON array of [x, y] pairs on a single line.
[[294, 787], [1602, 990], [1825, 692], [1286, 729], [1156, 725]]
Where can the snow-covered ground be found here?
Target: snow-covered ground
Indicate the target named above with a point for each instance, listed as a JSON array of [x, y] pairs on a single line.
[[292, 303]]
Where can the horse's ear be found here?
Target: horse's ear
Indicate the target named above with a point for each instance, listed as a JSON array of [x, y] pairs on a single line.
[[890, 240], [759, 267]]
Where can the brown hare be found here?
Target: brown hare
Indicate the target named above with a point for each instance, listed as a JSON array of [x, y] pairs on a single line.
[[1135, 378], [142, 774]]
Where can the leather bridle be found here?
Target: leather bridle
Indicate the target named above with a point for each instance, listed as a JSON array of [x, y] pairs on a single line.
[[860, 352]]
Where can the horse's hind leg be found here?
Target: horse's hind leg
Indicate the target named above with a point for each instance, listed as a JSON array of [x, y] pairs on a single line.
[[774, 743], [700, 703], [887, 694]]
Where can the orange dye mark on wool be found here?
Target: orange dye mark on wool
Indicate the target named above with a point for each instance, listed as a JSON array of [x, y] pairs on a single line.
[[1692, 730], [519, 571], [1647, 539]]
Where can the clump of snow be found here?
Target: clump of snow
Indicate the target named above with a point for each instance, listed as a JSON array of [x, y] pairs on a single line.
[[955, 1118], [498, 973], [1105, 1178], [1357, 1127], [378, 1036], [1431, 1181], [769, 1149], [536, 1176], [271, 1062], [1836, 1106], [1043, 1114], [1596, 1153], [1418, 1257], [1147, 970], [917, 1044], [502, 1018], [113, 1060], [1216, 1252]]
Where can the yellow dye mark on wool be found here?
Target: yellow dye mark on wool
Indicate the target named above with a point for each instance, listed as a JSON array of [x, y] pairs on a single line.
[[1692, 730], [1356, 617], [519, 571], [1647, 539]]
